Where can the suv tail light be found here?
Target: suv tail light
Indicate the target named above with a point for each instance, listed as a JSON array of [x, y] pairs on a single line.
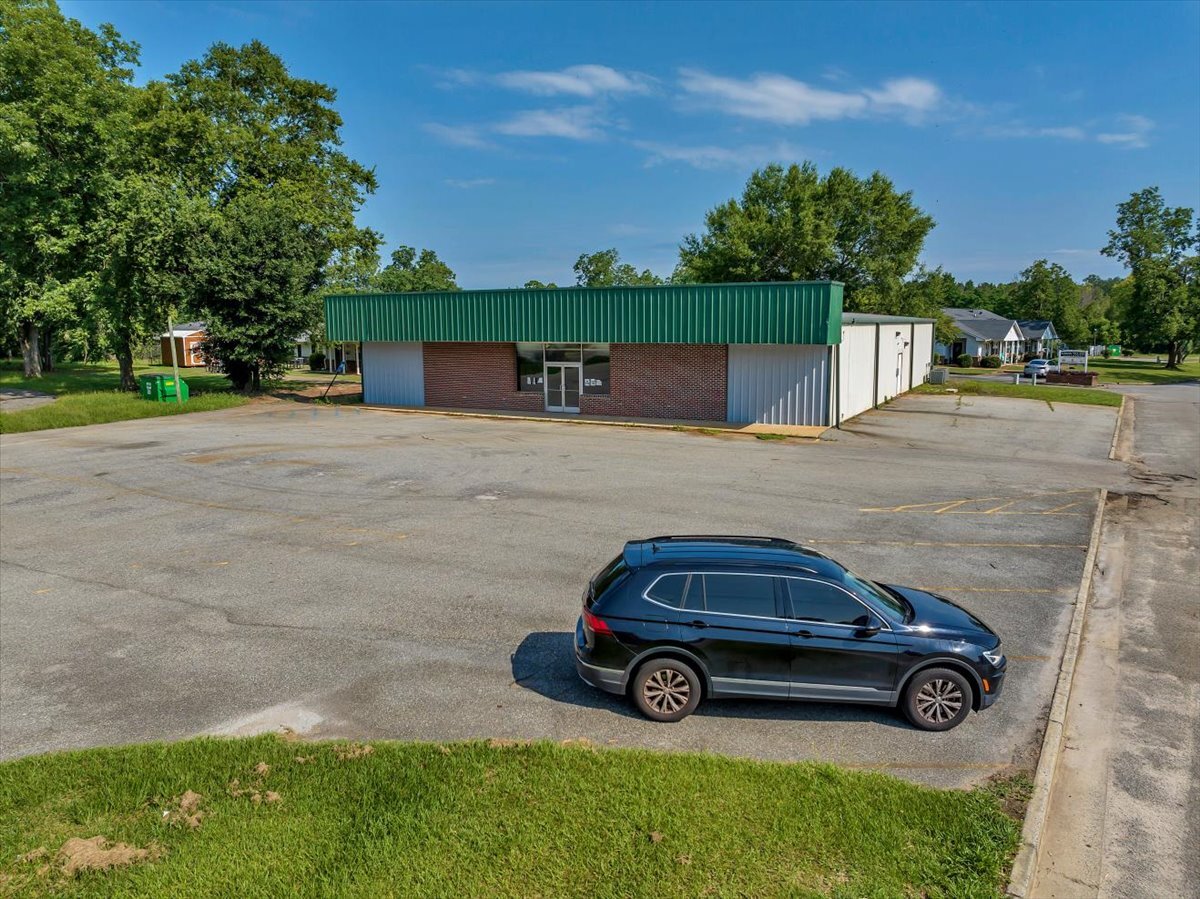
[[596, 625]]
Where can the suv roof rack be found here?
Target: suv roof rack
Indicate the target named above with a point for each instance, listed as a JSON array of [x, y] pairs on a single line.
[[719, 538]]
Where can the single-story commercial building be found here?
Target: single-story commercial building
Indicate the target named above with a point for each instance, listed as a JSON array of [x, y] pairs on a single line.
[[778, 353]]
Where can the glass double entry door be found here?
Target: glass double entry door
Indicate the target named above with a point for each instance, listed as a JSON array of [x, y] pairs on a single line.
[[562, 382]]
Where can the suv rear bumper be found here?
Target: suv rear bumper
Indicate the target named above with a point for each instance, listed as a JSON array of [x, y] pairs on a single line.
[[610, 679]]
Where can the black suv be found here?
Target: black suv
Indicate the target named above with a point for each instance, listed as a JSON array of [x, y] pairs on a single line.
[[675, 619]]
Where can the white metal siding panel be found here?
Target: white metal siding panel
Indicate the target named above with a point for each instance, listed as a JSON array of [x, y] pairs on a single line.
[[893, 360], [778, 384], [857, 369], [393, 374], [922, 353]]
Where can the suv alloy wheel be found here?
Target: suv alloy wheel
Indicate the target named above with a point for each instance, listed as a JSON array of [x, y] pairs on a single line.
[[666, 690], [937, 699]]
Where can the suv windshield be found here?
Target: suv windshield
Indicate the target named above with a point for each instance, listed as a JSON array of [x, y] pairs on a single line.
[[872, 591]]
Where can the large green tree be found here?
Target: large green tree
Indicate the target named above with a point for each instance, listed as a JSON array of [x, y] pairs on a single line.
[[1046, 291], [282, 196], [1153, 240], [605, 269], [790, 224], [62, 89], [412, 270]]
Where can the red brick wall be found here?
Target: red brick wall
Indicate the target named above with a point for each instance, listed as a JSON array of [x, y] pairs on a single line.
[[646, 380], [664, 380], [476, 376]]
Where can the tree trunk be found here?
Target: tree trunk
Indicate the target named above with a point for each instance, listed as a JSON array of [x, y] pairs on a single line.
[[124, 350], [46, 348], [256, 379], [30, 349]]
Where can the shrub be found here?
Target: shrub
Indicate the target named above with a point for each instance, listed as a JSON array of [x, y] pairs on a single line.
[[316, 361], [990, 362], [963, 360]]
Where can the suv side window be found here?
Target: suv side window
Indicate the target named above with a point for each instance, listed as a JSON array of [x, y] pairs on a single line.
[[668, 590], [740, 594], [824, 603]]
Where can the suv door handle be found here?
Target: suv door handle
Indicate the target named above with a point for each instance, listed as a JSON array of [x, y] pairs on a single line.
[[698, 623], [804, 633]]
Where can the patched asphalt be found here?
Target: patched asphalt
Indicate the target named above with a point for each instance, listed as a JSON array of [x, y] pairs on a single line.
[[374, 575]]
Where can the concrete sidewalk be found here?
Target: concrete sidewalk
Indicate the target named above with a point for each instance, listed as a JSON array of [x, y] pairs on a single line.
[[1124, 816]]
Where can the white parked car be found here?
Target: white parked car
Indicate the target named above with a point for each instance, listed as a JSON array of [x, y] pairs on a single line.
[[1040, 367]]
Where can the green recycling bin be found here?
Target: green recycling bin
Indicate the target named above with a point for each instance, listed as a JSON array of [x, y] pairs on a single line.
[[163, 388]]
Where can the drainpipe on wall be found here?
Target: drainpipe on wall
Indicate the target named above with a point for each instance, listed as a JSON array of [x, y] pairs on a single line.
[[912, 355], [835, 362], [875, 388]]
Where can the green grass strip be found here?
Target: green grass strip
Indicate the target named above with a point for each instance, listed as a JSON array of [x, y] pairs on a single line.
[[1087, 396], [72, 410], [492, 819]]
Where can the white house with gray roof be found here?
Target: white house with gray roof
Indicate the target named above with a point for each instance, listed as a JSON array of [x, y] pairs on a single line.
[[983, 333]]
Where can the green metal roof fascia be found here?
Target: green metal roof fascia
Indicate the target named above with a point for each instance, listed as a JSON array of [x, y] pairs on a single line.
[[796, 312]]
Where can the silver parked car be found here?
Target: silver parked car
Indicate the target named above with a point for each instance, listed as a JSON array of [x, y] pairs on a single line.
[[1040, 367]]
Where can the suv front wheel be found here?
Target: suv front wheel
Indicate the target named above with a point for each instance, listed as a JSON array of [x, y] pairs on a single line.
[[666, 690], [937, 699]]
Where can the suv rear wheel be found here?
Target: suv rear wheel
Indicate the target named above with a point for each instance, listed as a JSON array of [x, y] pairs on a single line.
[[937, 699], [666, 690]]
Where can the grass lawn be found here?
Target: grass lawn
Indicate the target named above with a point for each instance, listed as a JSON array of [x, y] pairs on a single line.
[[1144, 370], [88, 395], [488, 819], [1088, 396], [72, 410], [73, 377]]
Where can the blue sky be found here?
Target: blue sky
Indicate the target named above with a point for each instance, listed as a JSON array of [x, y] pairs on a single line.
[[511, 138]]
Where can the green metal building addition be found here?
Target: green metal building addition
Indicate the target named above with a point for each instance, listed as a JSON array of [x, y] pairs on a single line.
[[799, 312]]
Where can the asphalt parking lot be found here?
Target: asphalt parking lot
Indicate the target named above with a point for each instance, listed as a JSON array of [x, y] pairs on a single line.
[[368, 574]]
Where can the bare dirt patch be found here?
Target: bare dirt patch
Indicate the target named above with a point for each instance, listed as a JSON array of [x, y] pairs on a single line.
[[186, 811], [79, 855], [352, 751]]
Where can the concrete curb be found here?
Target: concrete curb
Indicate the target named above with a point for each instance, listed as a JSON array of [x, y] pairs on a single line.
[[1112, 447], [1024, 868], [800, 432]]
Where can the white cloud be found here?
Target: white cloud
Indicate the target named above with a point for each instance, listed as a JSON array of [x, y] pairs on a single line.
[[1135, 133], [1135, 136], [572, 123], [1063, 132], [458, 135], [908, 97], [716, 157], [469, 183], [786, 101], [577, 81]]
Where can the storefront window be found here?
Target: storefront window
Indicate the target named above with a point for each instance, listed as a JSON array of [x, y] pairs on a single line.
[[529, 367], [563, 352], [595, 368], [532, 357]]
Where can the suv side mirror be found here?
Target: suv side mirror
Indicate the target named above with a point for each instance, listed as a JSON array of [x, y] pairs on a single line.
[[871, 628]]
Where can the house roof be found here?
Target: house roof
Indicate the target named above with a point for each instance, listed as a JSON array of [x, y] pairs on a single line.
[[186, 329], [984, 325], [1037, 329]]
